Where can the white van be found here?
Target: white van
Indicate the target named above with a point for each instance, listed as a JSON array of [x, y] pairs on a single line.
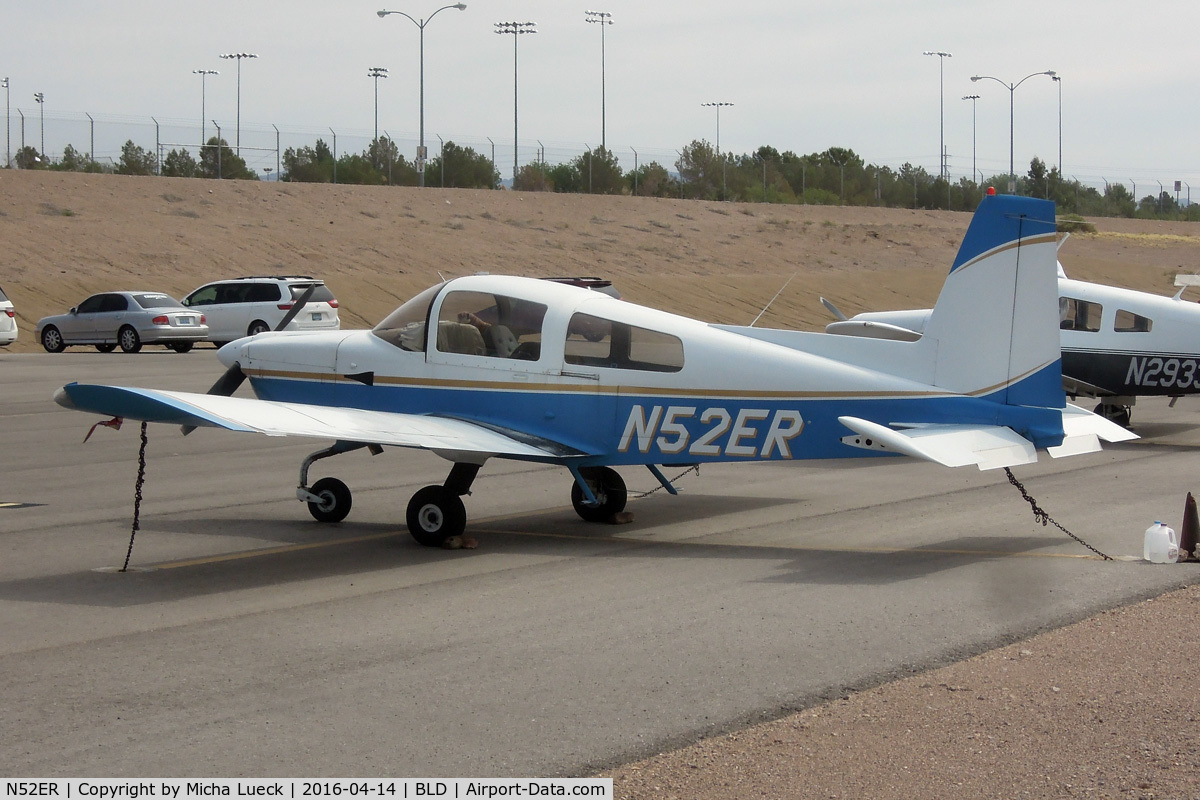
[[251, 305]]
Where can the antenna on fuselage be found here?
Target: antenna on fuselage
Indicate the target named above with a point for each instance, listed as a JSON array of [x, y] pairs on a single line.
[[773, 299]]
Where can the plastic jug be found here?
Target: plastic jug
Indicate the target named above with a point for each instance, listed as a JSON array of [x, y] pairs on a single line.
[[1161, 545]]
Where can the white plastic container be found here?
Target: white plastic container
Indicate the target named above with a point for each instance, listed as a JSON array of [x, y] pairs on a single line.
[[1161, 545]]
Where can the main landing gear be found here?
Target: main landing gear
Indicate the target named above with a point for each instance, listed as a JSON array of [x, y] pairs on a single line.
[[1116, 412], [436, 513]]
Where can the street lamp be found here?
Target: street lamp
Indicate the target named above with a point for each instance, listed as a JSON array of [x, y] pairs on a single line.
[[1012, 91], [40, 98], [239, 57], [203, 73], [422, 155], [717, 106], [942, 170], [1058, 79], [7, 126], [972, 98], [603, 19], [377, 73], [516, 29]]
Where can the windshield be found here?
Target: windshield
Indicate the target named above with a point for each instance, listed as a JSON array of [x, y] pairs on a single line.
[[155, 300], [3, 299], [405, 327]]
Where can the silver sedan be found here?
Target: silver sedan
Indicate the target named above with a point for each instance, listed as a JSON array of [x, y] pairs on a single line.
[[127, 319]]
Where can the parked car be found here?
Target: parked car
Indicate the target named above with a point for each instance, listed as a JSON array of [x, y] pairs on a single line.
[[8, 321], [127, 319], [248, 306]]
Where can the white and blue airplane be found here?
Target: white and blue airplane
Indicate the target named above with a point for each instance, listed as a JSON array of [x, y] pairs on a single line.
[[490, 366], [1117, 344]]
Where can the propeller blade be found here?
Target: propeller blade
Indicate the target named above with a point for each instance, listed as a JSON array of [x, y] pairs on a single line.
[[298, 304], [833, 310], [225, 386]]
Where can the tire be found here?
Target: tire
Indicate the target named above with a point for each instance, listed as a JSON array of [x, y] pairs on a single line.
[[52, 340], [257, 327], [219, 345], [609, 488], [107, 347], [336, 500], [434, 515], [181, 347], [129, 340]]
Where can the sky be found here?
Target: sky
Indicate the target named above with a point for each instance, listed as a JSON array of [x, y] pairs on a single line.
[[802, 76]]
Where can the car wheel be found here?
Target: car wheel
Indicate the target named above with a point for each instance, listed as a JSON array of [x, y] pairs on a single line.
[[52, 340], [180, 347], [129, 340], [106, 347], [257, 327]]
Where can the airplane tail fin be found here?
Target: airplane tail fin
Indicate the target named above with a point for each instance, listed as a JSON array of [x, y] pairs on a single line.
[[995, 323]]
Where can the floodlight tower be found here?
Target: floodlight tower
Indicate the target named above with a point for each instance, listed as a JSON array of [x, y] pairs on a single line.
[[516, 29], [718, 106], [942, 170], [239, 57], [40, 99], [972, 98], [603, 19], [7, 125], [377, 73], [203, 73]]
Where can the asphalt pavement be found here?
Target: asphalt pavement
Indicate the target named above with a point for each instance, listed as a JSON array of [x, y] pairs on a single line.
[[249, 640]]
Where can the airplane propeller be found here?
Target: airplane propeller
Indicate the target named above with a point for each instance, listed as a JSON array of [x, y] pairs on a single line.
[[232, 378], [833, 310]]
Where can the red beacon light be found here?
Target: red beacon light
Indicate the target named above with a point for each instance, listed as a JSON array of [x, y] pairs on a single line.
[[991, 192]]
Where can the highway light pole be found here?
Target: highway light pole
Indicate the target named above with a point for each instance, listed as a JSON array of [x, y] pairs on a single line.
[[516, 29], [942, 170], [203, 73], [1012, 91], [603, 19], [239, 57], [1058, 79], [422, 155], [7, 126]]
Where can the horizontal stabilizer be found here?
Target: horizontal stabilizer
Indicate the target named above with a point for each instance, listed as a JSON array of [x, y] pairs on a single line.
[[273, 418], [873, 330], [987, 446]]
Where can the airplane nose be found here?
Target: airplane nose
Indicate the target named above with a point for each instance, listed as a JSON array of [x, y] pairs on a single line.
[[232, 352]]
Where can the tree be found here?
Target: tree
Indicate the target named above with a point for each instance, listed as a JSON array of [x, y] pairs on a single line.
[[29, 158], [72, 161], [308, 164], [136, 160], [600, 173], [359, 169], [217, 160], [461, 168], [565, 178], [533, 177], [700, 170], [652, 180], [180, 164]]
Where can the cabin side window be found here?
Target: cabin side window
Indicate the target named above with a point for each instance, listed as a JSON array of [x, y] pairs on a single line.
[[485, 324], [597, 342], [1129, 322], [1078, 315]]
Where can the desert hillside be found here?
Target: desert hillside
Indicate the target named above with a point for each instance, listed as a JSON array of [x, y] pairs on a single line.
[[65, 236]]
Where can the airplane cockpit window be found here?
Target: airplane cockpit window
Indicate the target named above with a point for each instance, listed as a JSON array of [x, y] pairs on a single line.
[[597, 342], [485, 324], [1078, 315], [1129, 322], [405, 327]]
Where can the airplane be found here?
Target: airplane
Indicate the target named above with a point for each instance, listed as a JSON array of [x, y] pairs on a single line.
[[576, 378], [1117, 344]]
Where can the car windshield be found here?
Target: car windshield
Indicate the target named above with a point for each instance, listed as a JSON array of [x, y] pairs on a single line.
[[405, 327], [155, 300], [3, 298], [321, 293]]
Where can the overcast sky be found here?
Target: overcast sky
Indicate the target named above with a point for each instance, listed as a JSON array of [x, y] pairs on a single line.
[[802, 76]]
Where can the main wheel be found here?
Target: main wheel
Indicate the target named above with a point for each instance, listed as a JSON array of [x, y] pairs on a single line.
[[335, 500], [180, 347], [257, 327], [52, 340], [129, 340], [434, 515], [107, 347], [609, 488], [1116, 413]]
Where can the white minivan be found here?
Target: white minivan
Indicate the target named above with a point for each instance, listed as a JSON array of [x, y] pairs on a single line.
[[8, 321], [248, 306]]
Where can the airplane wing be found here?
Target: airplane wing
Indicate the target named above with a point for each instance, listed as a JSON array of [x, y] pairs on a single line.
[[273, 418], [986, 446]]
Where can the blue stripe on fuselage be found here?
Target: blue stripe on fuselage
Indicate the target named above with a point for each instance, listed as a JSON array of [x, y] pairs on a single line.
[[632, 428]]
